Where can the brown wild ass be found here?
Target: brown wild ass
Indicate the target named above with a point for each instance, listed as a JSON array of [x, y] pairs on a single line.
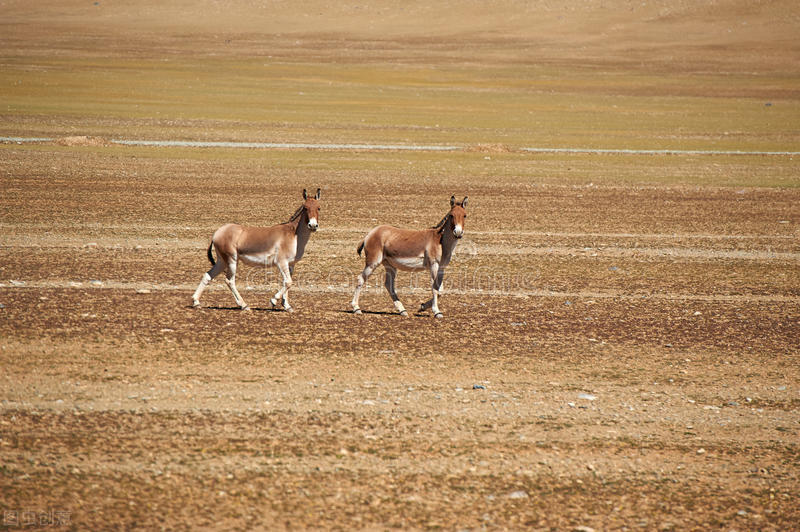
[[403, 249], [281, 245]]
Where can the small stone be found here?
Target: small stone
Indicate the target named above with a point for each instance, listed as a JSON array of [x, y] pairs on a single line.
[[368, 402], [587, 396], [60, 402], [698, 313], [96, 282], [583, 528], [701, 451], [478, 387], [90, 245], [143, 291], [17, 283], [518, 495], [571, 405], [781, 388], [741, 512]]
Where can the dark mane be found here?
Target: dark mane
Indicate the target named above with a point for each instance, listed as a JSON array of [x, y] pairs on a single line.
[[440, 225]]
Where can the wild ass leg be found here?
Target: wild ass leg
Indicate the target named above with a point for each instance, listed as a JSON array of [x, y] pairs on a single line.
[[207, 277], [230, 279], [429, 303], [391, 274], [362, 278], [435, 290], [283, 293]]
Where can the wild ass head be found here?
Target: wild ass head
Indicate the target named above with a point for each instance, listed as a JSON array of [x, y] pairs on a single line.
[[458, 215], [311, 206]]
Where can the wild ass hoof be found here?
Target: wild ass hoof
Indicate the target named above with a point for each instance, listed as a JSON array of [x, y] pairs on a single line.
[[357, 311], [438, 315], [404, 314], [195, 303], [273, 302], [288, 309], [246, 308]]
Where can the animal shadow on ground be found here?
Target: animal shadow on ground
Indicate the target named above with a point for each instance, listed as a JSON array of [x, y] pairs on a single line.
[[254, 309], [373, 312]]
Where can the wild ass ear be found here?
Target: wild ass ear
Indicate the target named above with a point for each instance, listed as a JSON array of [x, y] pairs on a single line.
[[305, 194], [319, 193], [464, 203], [452, 200]]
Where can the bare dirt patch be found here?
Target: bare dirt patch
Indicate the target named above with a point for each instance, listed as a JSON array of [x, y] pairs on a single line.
[[629, 388], [82, 140]]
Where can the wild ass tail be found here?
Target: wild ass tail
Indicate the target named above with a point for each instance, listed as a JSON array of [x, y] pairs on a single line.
[[210, 255], [360, 247]]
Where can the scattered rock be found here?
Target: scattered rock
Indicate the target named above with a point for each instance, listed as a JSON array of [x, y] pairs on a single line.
[[583, 528], [478, 387], [519, 494], [96, 282], [17, 283], [143, 291], [587, 396], [701, 451], [90, 245]]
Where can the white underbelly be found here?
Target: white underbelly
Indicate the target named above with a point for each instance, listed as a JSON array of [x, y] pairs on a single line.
[[407, 263], [258, 259]]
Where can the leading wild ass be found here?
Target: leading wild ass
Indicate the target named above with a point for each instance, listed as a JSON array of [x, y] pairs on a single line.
[[281, 245], [403, 249]]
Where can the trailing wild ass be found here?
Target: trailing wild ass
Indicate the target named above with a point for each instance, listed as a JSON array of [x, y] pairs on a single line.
[[281, 245], [403, 249]]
